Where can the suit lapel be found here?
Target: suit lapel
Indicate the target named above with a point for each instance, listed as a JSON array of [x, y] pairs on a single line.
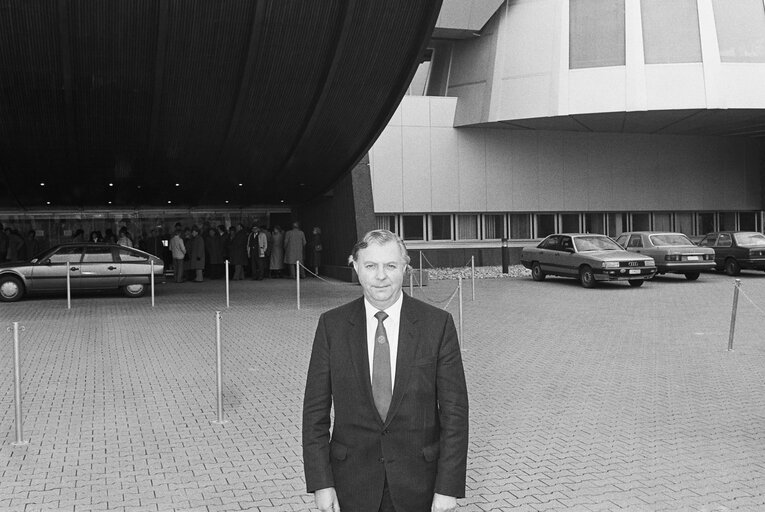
[[407, 348], [357, 340]]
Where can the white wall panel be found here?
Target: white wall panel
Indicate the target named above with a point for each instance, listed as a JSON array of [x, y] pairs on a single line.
[[415, 111], [576, 172], [523, 147], [472, 169], [744, 85], [675, 86], [386, 163], [445, 179], [442, 111], [597, 90], [550, 165], [498, 170], [417, 169]]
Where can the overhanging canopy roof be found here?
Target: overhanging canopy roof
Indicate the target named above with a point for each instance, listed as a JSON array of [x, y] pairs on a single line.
[[120, 101]]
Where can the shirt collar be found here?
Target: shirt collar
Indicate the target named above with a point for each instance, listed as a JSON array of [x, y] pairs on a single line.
[[393, 310]]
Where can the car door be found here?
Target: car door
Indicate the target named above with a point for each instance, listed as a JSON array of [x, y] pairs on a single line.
[[548, 254], [565, 258], [49, 274], [99, 271], [135, 266]]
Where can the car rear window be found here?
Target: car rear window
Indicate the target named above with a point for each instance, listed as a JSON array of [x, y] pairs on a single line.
[[670, 239], [749, 238]]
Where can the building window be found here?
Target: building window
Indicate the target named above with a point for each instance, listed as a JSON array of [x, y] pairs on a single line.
[[493, 227], [545, 224], [684, 223], [670, 31], [747, 221], [662, 221], [727, 221], [595, 223], [413, 227], [467, 227], [596, 33], [520, 226], [440, 227], [641, 222], [616, 224], [386, 222], [740, 30], [569, 222], [706, 222]]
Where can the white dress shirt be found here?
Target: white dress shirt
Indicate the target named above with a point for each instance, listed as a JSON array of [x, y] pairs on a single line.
[[391, 325]]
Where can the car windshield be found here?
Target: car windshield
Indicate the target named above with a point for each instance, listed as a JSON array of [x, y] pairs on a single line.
[[670, 239], [595, 243], [749, 238]]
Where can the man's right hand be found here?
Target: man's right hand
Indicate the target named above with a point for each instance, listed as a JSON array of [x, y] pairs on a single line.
[[326, 500]]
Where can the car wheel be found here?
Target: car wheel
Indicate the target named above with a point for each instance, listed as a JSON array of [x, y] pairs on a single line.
[[134, 290], [732, 268], [692, 276], [636, 283], [587, 277], [536, 272], [11, 289]]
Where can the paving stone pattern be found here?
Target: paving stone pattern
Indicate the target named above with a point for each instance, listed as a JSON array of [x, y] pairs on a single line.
[[586, 400]]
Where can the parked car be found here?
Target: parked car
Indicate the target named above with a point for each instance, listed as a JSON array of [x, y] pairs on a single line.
[[590, 258], [672, 252], [735, 250], [91, 266]]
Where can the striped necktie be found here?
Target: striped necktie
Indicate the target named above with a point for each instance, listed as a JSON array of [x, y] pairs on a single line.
[[382, 389]]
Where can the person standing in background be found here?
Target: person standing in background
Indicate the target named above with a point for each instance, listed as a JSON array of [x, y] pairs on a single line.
[[316, 249], [178, 250], [197, 254], [277, 251], [238, 256], [294, 244]]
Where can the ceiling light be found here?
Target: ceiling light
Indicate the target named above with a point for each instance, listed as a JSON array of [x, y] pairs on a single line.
[[47, 202], [111, 184], [169, 202], [42, 184], [177, 184], [226, 202], [240, 184], [110, 202]]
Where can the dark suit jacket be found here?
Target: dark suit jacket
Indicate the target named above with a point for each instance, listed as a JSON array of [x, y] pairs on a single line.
[[422, 445]]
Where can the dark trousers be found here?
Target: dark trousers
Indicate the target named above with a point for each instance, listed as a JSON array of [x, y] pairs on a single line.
[[260, 268]]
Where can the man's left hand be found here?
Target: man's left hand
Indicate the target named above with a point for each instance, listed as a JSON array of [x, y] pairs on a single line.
[[443, 503]]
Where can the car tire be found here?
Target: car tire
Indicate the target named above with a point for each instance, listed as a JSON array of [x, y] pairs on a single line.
[[732, 268], [536, 272], [134, 290], [692, 276], [11, 289], [636, 283], [587, 277]]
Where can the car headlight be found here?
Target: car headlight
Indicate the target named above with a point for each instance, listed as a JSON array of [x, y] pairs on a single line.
[[610, 264]]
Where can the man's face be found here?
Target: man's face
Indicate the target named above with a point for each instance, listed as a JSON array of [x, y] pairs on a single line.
[[381, 273]]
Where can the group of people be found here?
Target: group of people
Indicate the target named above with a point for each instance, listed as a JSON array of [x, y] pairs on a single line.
[[15, 247], [256, 252]]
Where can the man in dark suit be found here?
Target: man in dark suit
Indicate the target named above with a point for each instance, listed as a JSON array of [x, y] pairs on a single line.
[[392, 368]]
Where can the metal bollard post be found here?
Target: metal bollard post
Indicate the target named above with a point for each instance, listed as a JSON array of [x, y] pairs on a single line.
[[68, 286], [219, 367], [297, 280], [472, 274], [459, 285], [17, 386], [420, 271], [152, 283], [736, 287], [505, 257], [228, 304]]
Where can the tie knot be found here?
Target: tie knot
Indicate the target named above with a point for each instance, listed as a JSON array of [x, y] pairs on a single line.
[[381, 315]]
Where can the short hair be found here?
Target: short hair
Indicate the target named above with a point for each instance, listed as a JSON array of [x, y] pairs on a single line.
[[379, 237]]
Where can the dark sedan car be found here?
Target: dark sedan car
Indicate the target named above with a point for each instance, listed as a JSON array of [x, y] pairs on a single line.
[[590, 258], [672, 252], [90, 267], [736, 250]]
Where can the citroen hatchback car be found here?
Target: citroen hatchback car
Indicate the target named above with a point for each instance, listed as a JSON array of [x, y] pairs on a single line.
[[672, 252], [90, 266], [590, 258], [736, 250]]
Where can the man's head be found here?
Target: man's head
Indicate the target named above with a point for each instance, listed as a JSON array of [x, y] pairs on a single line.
[[380, 259]]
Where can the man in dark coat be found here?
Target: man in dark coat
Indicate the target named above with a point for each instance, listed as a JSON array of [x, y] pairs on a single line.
[[400, 434]]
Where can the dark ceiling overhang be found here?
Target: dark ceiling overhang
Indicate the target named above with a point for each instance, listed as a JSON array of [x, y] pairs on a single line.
[[195, 102]]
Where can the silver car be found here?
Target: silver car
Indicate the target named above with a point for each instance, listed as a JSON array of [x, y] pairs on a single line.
[[90, 266], [672, 252], [590, 258]]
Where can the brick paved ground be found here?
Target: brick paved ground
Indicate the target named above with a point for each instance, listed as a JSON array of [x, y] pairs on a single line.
[[586, 400]]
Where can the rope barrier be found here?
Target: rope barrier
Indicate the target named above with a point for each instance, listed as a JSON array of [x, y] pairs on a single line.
[[319, 277], [749, 299]]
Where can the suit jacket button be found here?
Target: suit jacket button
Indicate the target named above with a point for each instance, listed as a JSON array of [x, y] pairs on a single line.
[[385, 432], [381, 460]]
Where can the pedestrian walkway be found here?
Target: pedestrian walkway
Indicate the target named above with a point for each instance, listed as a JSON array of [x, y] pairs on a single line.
[[586, 400]]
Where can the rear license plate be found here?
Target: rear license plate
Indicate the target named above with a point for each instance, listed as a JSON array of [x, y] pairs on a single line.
[[693, 258], [634, 271]]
